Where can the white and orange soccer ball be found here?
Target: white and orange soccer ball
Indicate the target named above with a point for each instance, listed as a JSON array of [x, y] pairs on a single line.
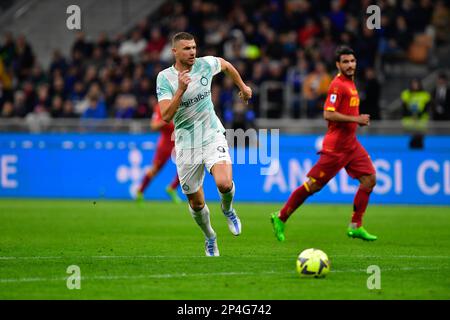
[[313, 263]]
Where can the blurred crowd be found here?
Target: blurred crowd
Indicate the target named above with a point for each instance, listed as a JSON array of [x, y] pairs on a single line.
[[290, 43]]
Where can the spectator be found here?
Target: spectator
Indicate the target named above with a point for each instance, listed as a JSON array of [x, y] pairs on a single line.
[[58, 62], [68, 110], [235, 47], [370, 95], [57, 107], [20, 108], [315, 88], [78, 93], [8, 110], [133, 46], [310, 30], [337, 15], [441, 99], [441, 22], [24, 59], [81, 46], [38, 120], [125, 106], [43, 97], [8, 49], [96, 108], [156, 42], [295, 80], [416, 107]]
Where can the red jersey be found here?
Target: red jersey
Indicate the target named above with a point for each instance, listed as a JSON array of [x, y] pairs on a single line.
[[167, 129], [343, 98]]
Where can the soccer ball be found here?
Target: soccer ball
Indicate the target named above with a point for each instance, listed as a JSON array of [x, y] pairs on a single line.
[[313, 263]]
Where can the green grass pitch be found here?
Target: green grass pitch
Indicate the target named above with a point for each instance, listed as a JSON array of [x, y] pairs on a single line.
[[156, 251]]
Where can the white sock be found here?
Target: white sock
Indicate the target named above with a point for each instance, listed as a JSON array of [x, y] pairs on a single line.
[[227, 199], [202, 219]]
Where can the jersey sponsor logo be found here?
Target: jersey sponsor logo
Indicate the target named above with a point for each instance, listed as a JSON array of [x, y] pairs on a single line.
[[354, 102], [221, 149], [353, 91], [199, 97], [333, 98]]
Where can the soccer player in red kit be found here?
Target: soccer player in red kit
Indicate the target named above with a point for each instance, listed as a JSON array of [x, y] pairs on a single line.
[[340, 149], [163, 152]]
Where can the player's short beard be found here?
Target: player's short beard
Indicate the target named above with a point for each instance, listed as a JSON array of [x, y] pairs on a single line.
[[349, 75]]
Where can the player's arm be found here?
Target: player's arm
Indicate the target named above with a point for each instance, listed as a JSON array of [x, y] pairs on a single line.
[[157, 124], [362, 119], [170, 107], [245, 92], [332, 105]]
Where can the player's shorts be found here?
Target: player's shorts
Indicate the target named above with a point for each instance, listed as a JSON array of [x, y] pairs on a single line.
[[191, 163], [163, 152], [356, 162]]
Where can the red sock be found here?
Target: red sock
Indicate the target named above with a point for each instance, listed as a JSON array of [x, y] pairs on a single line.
[[360, 204], [144, 183], [295, 200], [175, 183]]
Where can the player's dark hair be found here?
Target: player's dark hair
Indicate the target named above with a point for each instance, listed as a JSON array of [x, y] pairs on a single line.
[[181, 36], [341, 50]]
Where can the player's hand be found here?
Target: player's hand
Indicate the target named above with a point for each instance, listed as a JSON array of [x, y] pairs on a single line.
[[364, 120], [183, 80], [245, 94]]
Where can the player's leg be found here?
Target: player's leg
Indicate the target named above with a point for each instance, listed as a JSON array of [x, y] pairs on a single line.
[[192, 173], [148, 177], [218, 163], [295, 200], [223, 177], [200, 212], [356, 230], [171, 190], [325, 169], [361, 167]]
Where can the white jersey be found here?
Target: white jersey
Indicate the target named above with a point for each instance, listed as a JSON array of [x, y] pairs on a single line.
[[196, 122]]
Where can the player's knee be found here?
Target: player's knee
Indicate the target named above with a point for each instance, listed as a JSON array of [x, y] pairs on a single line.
[[314, 186], [224, 185], [196, 204], [151, 172], [370, 182]]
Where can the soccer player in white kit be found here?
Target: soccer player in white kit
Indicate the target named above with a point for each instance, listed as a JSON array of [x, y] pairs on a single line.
[[184, 95]]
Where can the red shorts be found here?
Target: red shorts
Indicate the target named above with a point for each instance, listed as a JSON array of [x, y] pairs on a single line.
[[356, 162], [163, 152]]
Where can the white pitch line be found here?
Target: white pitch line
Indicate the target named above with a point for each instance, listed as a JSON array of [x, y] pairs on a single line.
[[204, 257], [394, 256], [188, 275]]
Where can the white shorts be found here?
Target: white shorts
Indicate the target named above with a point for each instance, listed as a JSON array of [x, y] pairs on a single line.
[[191, 163]]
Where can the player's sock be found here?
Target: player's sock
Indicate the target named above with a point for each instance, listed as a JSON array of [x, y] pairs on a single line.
[[175, 183], [227, 199], [295, 200], [360, 205], [144, 184], [202, 219]]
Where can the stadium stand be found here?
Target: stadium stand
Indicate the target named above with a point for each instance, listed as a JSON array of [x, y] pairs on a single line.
[[284, 48]]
